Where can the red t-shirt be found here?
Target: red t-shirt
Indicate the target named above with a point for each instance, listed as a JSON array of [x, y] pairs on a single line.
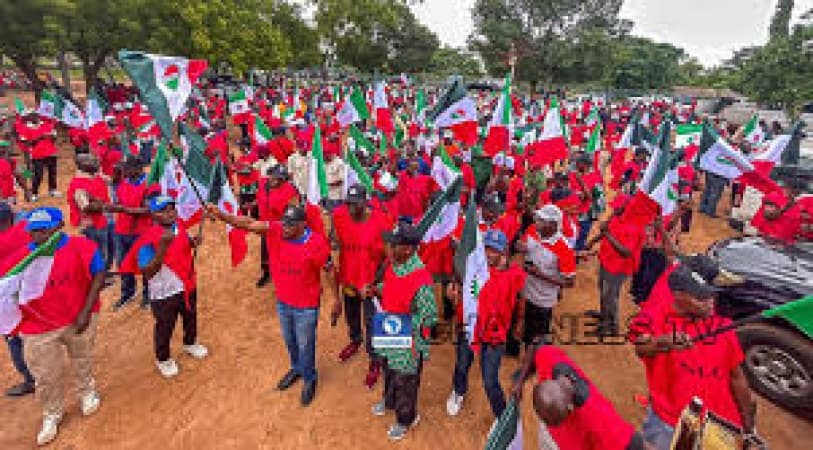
[[590, 180], [785, 227], [273, 201], [703, 371], [13, 239], [297, 267], [631, 237], [6, 179], [495, 305], [132, 195], [361, 246], [594, 422], [414, 193]]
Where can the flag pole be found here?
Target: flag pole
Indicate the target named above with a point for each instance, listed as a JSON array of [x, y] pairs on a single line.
[[732, 326]]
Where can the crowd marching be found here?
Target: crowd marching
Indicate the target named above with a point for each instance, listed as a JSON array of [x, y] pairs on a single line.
[[468, 211]]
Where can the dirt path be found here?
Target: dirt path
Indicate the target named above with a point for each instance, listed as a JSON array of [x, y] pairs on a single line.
[[228, 400]]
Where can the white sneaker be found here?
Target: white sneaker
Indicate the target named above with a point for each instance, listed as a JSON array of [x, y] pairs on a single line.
[[454, 403], [55, 194], [196, 351], [50, 428], [89, 403], [168, 368], [34, 199]]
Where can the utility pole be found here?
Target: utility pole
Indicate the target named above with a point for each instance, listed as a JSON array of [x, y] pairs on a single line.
[[512, 59]]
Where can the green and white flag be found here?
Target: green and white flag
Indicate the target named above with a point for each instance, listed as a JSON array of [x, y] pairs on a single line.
[[660, 179], [19, 106], [317, 178], [354, 173], [54, 106], [440, 219], [444, 171], [753, 132], [360, 141], [94, 109], [719, 157], [687, 134], [163, 171], [26, 281], [594, 143], [196, 177], [164, 83], [471, 266], [353, 110], [420, 106], [238, 103], [262, 134]]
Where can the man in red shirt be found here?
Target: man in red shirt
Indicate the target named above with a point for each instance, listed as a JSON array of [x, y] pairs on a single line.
[[618, 257], [358, 231], [59, 315], [778, 218], [678, 368], [88, 198], [300, 256], [574, 414], [9, 174], [496, 305], [37, 138], [414, 190], [12, 238], [275, 193]]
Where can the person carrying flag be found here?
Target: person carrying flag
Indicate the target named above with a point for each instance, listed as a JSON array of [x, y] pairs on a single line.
[[62, 318], [274, 195], [300, 255], [163, 254], [406, 291], [36, 137], [9, 175], [88, 197], [496, 305]]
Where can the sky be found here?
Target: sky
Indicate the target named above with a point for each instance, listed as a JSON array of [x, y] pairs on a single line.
[[709, 30]]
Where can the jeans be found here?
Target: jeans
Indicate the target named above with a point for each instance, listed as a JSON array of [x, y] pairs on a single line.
[[490, 358], [101, 237], [166, 312], [356, 310], [584, 230], [712, 193], [15, 350], [609, 286], [299, 332], [40, 166], [657, 433], [128, 280]]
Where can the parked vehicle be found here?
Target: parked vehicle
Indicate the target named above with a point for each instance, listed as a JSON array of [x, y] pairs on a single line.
[[778, 356]]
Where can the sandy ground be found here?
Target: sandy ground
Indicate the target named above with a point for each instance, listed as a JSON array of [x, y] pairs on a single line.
[[228, 401]]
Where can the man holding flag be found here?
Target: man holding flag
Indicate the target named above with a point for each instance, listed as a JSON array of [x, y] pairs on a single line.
[[58, 294]]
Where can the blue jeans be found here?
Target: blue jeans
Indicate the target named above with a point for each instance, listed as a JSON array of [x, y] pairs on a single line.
[[128, 280], [15, 350], [490, 358], [656, 432], [584, 229], [299, 332], [101, 237]]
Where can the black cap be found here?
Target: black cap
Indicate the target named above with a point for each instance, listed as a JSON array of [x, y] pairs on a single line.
[[356, 194], [684, 279], [132, 161], [642, 151], [293, 214], [403, 234], [278, 171], [583, 158]]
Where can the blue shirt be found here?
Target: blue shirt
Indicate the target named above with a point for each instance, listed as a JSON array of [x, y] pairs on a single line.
[[96, 263], [423, 167]]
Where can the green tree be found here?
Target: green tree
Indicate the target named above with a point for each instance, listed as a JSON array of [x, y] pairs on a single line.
[[780, 23], [302, 39], [549, 37], [640, 63], [451, 61], [28, 31], [411, 44]]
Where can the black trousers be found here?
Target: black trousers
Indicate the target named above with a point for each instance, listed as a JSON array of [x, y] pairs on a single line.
[[264, 266], [357, 309], [401, 393], [40, 165], [537, 322], [166, 312]]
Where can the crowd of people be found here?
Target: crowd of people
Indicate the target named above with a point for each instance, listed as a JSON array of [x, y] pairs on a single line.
[[539, 219]]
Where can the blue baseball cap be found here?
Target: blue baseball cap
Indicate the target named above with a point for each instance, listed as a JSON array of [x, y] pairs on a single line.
[[159, 202], [495, 239], [44, 218]]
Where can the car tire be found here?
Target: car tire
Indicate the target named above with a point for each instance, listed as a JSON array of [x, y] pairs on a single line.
[[779, 365]]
